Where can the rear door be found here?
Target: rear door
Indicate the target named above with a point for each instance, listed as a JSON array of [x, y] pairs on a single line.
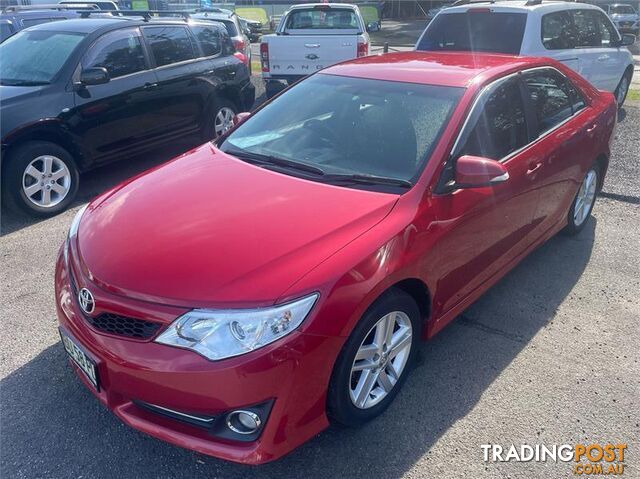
[[566, 132], [181, 79], [117, 117]]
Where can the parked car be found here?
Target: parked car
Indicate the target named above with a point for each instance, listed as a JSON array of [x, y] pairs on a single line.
[[624, 17], [101, 4], [290, 269], [253, 28], [77, 94], [17, 17], [231, 21], [311, 37], [577, 34]]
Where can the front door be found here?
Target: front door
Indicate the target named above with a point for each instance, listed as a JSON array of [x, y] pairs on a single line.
[[485, 228], [116, 118]]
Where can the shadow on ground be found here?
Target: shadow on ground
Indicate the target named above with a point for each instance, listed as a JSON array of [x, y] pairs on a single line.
[[53, 427]]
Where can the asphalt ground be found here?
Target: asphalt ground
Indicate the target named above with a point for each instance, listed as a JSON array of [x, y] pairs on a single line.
[[548, 356]]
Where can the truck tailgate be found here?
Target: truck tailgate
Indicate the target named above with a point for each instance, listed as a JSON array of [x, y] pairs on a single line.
[[304, 54]]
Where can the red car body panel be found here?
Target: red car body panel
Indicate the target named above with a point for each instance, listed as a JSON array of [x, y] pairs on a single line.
[[232, 234]]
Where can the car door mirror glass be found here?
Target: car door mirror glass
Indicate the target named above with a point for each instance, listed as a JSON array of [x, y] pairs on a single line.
[[477, 172], [94, 76], [373, 27], [628, 40]]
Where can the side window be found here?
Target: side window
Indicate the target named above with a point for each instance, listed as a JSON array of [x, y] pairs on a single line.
[[208, 39], [557, 31], [587, 27], [169, 44], [501, 127], [608, 33], [577, 100], [120, 52], [550, 98]]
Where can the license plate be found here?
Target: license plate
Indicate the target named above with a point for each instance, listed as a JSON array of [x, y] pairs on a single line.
[[86, 365]]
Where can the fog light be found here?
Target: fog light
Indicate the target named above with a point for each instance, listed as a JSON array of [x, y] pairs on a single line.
[[243, 422]]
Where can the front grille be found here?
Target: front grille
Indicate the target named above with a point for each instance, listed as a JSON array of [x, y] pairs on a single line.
[[123, 326]]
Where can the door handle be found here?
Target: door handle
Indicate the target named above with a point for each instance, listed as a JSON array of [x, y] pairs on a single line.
[[603, 58], [312, 45], [592, 128], [533, 167], [150, 86]]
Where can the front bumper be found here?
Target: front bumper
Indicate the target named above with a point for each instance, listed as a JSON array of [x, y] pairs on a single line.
[[290, 376]]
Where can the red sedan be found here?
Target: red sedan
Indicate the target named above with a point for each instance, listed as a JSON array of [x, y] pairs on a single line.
[[238, 299]]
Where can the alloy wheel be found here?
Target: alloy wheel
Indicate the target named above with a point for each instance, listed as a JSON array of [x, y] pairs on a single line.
[[622, 90], [585, 198], [380, 360], [46, 181], [224, 120]]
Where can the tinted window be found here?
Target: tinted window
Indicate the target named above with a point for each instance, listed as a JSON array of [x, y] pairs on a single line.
[[500, 127], [29, 22], [621, 10], [209, 40], [577, 101], [350, 125], [550, 98], [169, 44], [322, 18], [557, 31], [475, 31], [119, 52], [33, 57], [608, 33], [587, 27]]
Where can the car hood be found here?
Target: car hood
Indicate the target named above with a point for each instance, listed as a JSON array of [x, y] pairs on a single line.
[[209, 230]]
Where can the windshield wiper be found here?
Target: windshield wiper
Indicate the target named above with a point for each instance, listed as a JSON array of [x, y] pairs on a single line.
[[9, 82], [367, 180], [274, 160]]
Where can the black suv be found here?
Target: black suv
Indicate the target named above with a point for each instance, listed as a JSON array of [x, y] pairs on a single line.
[[80, 93]]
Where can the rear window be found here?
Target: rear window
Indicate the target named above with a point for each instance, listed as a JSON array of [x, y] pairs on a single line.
[[477, 31], [322, 19]]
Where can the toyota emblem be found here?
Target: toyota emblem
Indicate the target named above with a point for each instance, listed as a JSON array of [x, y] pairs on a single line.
[[87, 303]]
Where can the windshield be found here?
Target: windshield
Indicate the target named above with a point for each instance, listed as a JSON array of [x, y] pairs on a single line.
[[333, 125], [477, 31], [35, 57], [622, 10], [322, 19]]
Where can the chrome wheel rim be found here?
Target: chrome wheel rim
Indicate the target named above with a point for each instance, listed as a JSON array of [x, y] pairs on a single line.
[[380, 360], [46, 181], [224, 120], [585, 198], [622, 91]]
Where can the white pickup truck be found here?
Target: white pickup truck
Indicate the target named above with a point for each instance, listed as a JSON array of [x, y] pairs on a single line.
[[310, 37]]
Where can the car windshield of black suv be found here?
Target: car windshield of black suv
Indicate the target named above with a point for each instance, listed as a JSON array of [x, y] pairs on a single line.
[[32, 58], [621, 10], [343, 129], [475, 31]]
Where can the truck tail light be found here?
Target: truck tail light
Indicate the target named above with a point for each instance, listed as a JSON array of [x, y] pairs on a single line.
[[264, 56], [363, 49]]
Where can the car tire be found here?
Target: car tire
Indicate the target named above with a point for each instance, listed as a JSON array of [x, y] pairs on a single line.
[[349, 403], [41, 178], [583, 202], [221, 117], [623, 89]]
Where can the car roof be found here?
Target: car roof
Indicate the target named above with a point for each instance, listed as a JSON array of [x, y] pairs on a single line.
[[38, 13], [520, 5], [213, 15], [324, 5], [106, 23], [455, 69]]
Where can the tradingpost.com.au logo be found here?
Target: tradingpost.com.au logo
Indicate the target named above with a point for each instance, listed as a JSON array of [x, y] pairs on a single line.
[[587, 459]]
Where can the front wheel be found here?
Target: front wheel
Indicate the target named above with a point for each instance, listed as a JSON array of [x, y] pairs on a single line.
[[623, 89], [375, 359], [41, 178], [583, 202]]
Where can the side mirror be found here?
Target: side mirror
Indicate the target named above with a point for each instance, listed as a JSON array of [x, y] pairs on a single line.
[[240, 117], [476, 172], [628, 40], [373, 27], [94, 76]]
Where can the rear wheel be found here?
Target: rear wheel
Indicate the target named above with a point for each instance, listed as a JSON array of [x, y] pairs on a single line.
[[41, 178], [583, 202], [221, 114], [374, 362]]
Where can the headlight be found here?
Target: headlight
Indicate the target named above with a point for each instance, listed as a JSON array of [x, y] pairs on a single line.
[[220, 334], [75, 224]]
